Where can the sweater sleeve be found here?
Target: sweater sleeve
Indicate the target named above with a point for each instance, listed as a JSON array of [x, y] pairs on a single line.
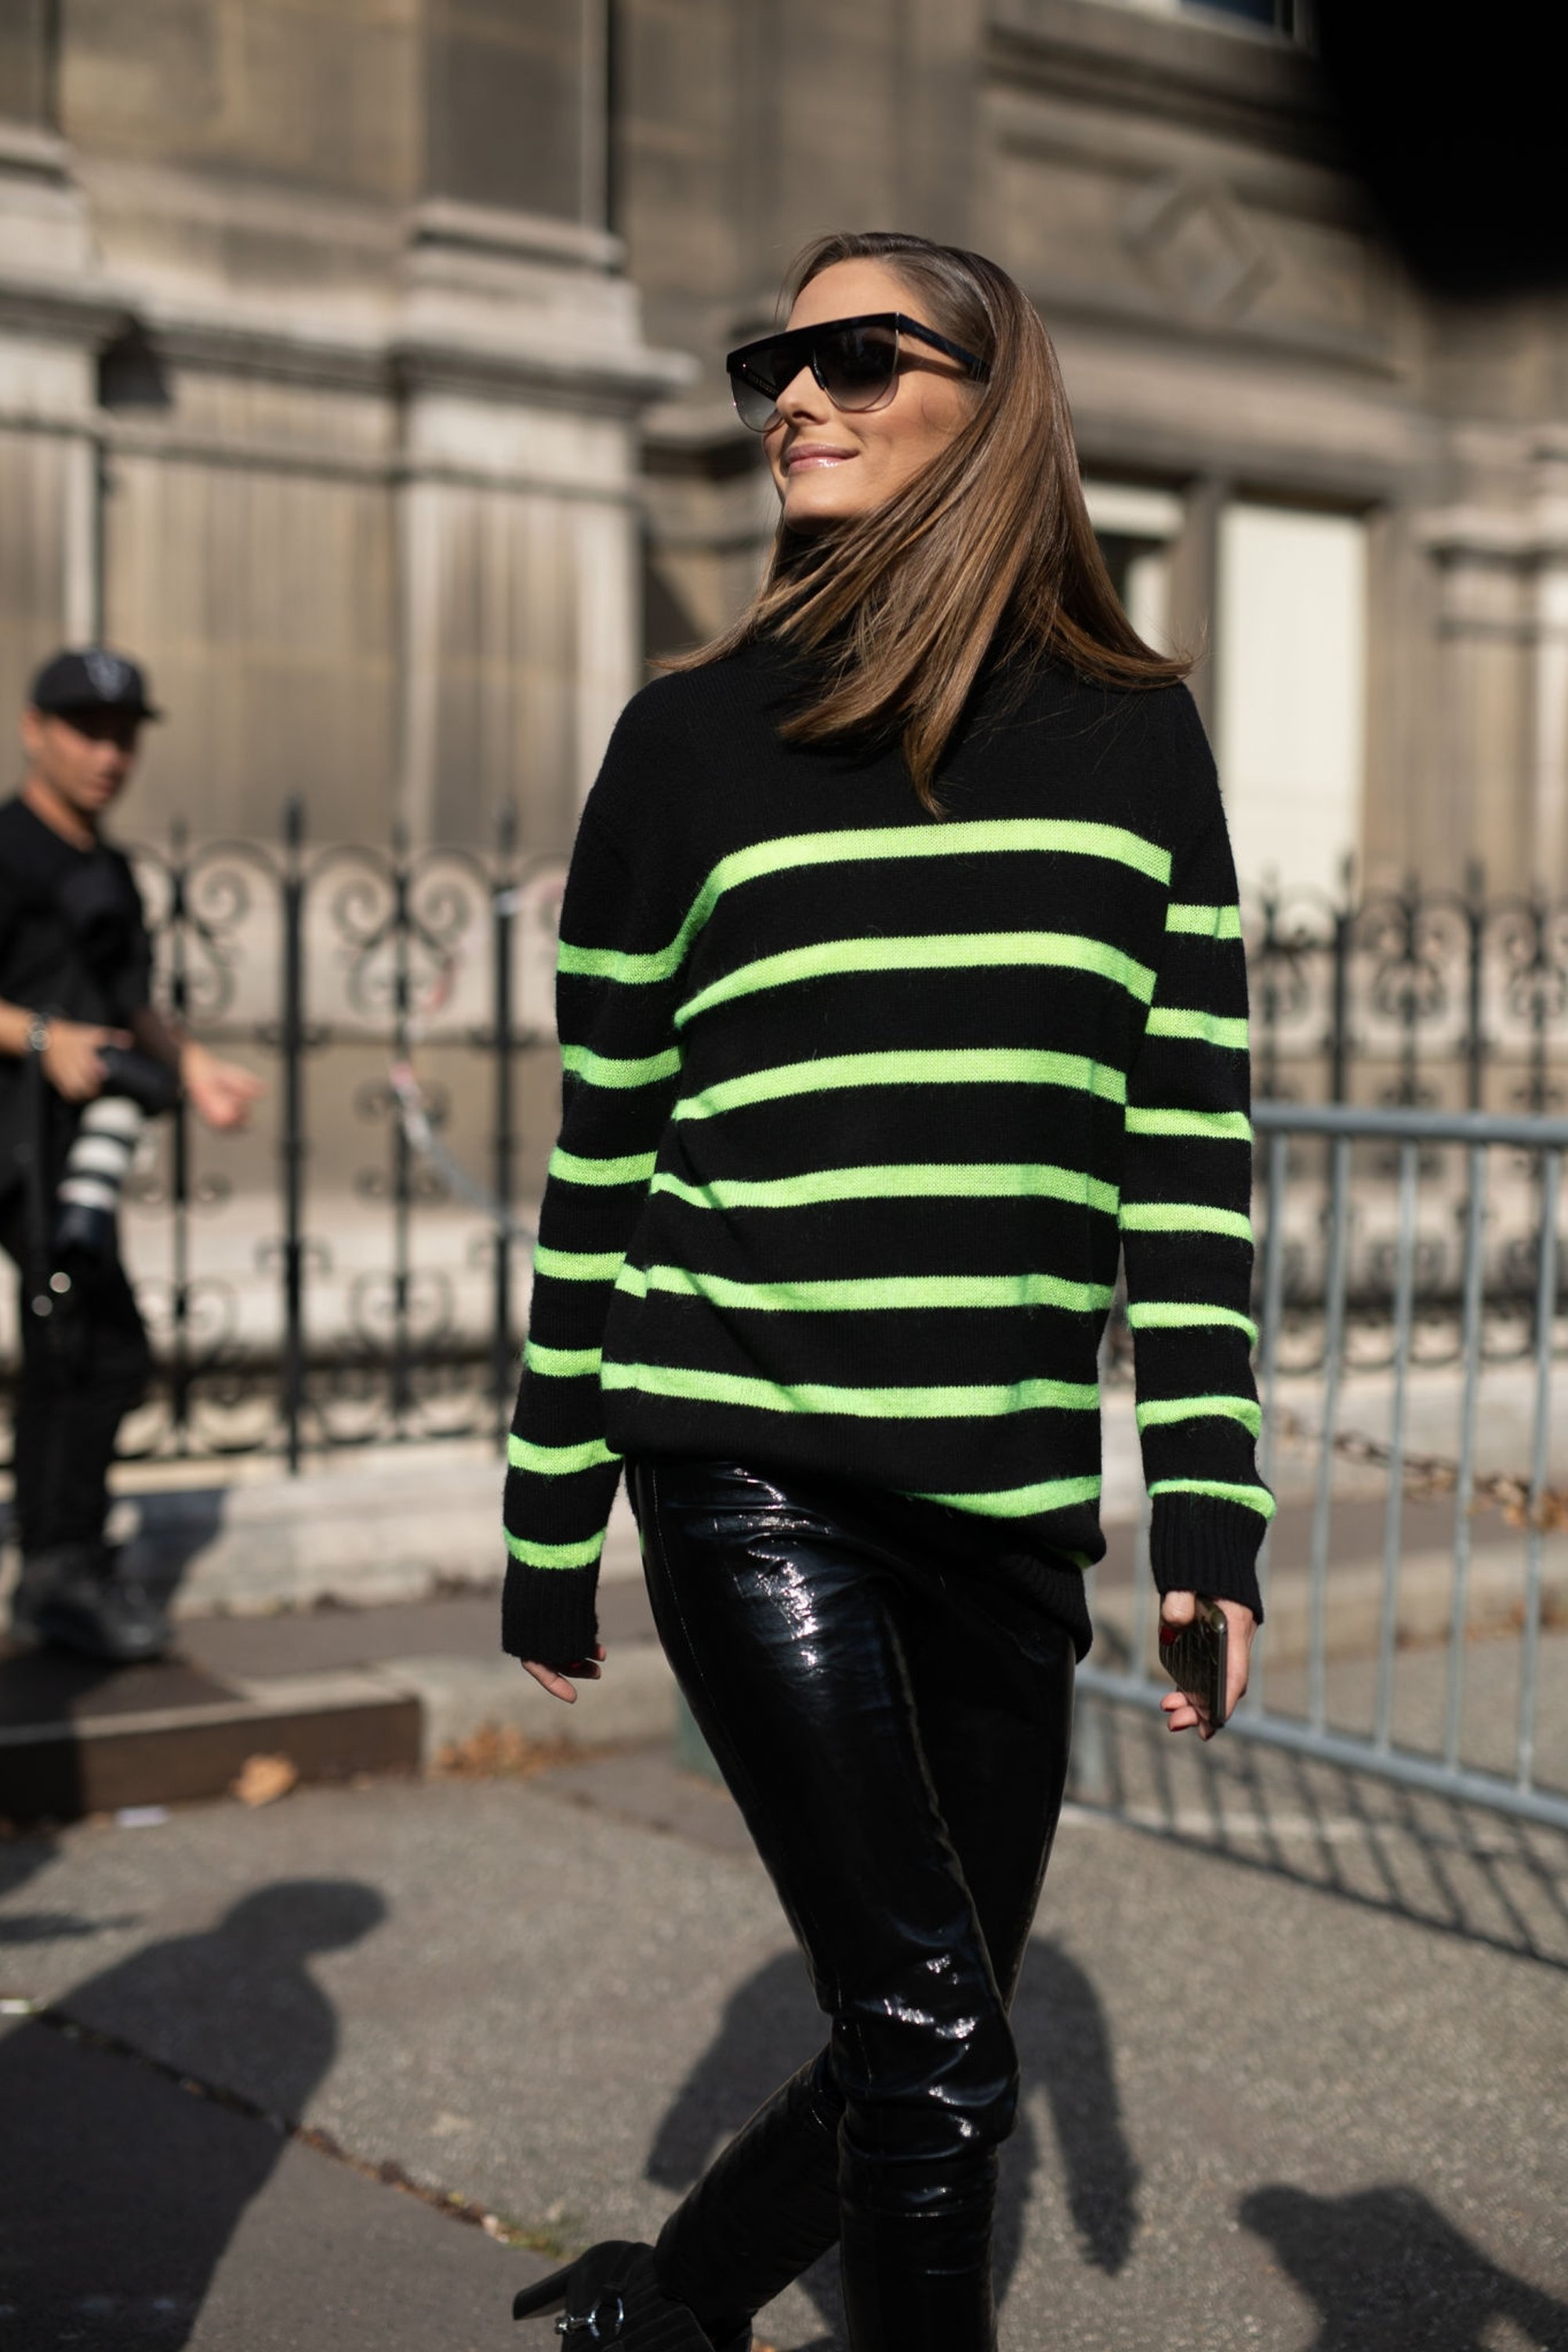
[[619, 956], [1186, 1236]]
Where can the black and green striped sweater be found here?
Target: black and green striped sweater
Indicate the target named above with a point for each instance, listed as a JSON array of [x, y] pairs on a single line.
[[860, 1104]]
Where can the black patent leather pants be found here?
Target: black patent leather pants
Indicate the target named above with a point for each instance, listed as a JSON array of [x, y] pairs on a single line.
[[893, 1721]]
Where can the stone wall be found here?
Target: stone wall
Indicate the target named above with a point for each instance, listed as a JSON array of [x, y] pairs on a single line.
[[320, 380], [324, 382], [1168, 190]]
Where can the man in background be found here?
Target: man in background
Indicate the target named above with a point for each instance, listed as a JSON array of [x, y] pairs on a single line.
[[83, 1055]]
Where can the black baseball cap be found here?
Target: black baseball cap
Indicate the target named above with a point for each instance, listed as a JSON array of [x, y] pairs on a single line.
[[91, 678]]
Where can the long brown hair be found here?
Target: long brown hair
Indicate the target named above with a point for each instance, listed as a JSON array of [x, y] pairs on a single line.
[[991, 544]]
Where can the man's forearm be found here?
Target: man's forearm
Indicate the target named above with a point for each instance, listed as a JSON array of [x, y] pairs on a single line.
[[155, 1036]]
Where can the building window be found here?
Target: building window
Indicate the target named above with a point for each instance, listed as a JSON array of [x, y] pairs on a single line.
[[1290, 647], [1288, 20], [1286, 16]]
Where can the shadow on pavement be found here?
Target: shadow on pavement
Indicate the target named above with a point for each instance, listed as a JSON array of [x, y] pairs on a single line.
[[21, 1858], [1483, 1876], [771, 2023], [1384, 2268], [119, 2191]]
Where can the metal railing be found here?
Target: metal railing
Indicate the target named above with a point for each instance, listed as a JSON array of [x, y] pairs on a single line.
[[1446, 1697]]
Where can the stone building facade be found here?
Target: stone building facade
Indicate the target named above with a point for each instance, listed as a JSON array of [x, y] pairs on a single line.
[[360, 364], [320, 387]]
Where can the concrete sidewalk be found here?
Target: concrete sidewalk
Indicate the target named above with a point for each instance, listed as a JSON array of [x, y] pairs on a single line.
[[1295, 2068]]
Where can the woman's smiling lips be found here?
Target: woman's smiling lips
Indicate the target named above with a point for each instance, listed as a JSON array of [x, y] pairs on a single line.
[[814, 452]]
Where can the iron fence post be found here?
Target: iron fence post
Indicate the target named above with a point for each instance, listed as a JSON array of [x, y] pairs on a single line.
[[503, 906], [402, 1158], [1474, 977], [291, 1131], [179, 1153]]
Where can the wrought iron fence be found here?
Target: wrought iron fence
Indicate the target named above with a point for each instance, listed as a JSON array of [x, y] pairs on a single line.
[[304, 1291], [1446, 1000], [353, 1269]]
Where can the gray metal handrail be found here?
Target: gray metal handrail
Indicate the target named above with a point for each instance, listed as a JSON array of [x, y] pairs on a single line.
[[1445, 1770], [1387, 1124]]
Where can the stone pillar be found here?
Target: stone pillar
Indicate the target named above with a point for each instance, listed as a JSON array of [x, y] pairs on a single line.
[[1549, 798], [56, 309], [1487, 632], [523, 373]]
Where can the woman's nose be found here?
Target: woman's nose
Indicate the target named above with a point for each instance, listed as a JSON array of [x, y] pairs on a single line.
[[803, 397]]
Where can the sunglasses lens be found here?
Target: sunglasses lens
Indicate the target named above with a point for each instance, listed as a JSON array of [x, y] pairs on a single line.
[[754, 400], [857, 365]]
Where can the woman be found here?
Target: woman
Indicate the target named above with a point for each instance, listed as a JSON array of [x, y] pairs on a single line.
[[901, 983]]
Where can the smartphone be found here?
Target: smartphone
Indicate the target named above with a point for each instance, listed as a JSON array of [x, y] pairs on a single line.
[[1195, 1657]]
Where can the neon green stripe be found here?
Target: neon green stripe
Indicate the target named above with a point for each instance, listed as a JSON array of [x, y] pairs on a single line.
[[959, 1065], [1183, 1217], [558, 1461], [1204, 1028], [619, 964], [571, 1167], [986, 1180], [560, 1363], [981, 837], [1161, 1411], [603, 1070], [945, 951], [579, 1265], [1205, 922], [872, 1293], [1022, 1502], [868, 1404], [1176, 1315], [1216, 1126], [568, 1555], [1257, 1498]]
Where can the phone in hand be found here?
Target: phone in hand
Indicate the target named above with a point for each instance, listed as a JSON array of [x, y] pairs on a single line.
[[1194, 1656]]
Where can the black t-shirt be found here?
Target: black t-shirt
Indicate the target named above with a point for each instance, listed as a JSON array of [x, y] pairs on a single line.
[[73, 941]]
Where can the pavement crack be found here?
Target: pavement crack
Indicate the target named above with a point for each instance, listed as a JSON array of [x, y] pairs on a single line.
[[505, 2228]]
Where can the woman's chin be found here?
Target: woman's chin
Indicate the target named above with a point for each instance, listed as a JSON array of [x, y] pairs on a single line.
[[815, 506]]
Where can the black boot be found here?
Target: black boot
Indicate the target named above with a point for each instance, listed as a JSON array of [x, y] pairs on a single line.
[[611, 2297], [917, 2269], [72, 1597], [765, 2210]]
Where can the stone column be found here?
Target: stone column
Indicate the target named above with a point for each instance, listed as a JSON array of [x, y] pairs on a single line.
[[56, 309], [523, 373], [1549, 799]]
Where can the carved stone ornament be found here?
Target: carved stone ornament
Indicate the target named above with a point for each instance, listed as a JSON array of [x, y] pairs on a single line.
[[1192, 239]]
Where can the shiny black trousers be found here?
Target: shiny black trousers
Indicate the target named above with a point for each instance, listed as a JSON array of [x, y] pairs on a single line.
[[893, 1721]]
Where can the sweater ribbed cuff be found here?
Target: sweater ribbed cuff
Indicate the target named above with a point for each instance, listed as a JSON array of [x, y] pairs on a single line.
[[1201, 1543], [547, 1614]]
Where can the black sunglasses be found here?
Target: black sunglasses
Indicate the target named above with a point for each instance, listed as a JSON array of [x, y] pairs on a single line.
[[856, 361]]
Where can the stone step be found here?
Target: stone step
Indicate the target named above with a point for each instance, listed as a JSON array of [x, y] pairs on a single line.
[[338, 1692]]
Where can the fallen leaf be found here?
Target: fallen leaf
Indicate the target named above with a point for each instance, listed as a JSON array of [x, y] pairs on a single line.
[[499, 1751], [264, 1779]]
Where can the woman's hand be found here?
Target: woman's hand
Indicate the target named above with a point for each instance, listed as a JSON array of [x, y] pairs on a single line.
[[1179, 1609], [551, 1679]]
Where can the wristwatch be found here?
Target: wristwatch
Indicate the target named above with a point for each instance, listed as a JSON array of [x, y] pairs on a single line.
[[38, 1027]]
